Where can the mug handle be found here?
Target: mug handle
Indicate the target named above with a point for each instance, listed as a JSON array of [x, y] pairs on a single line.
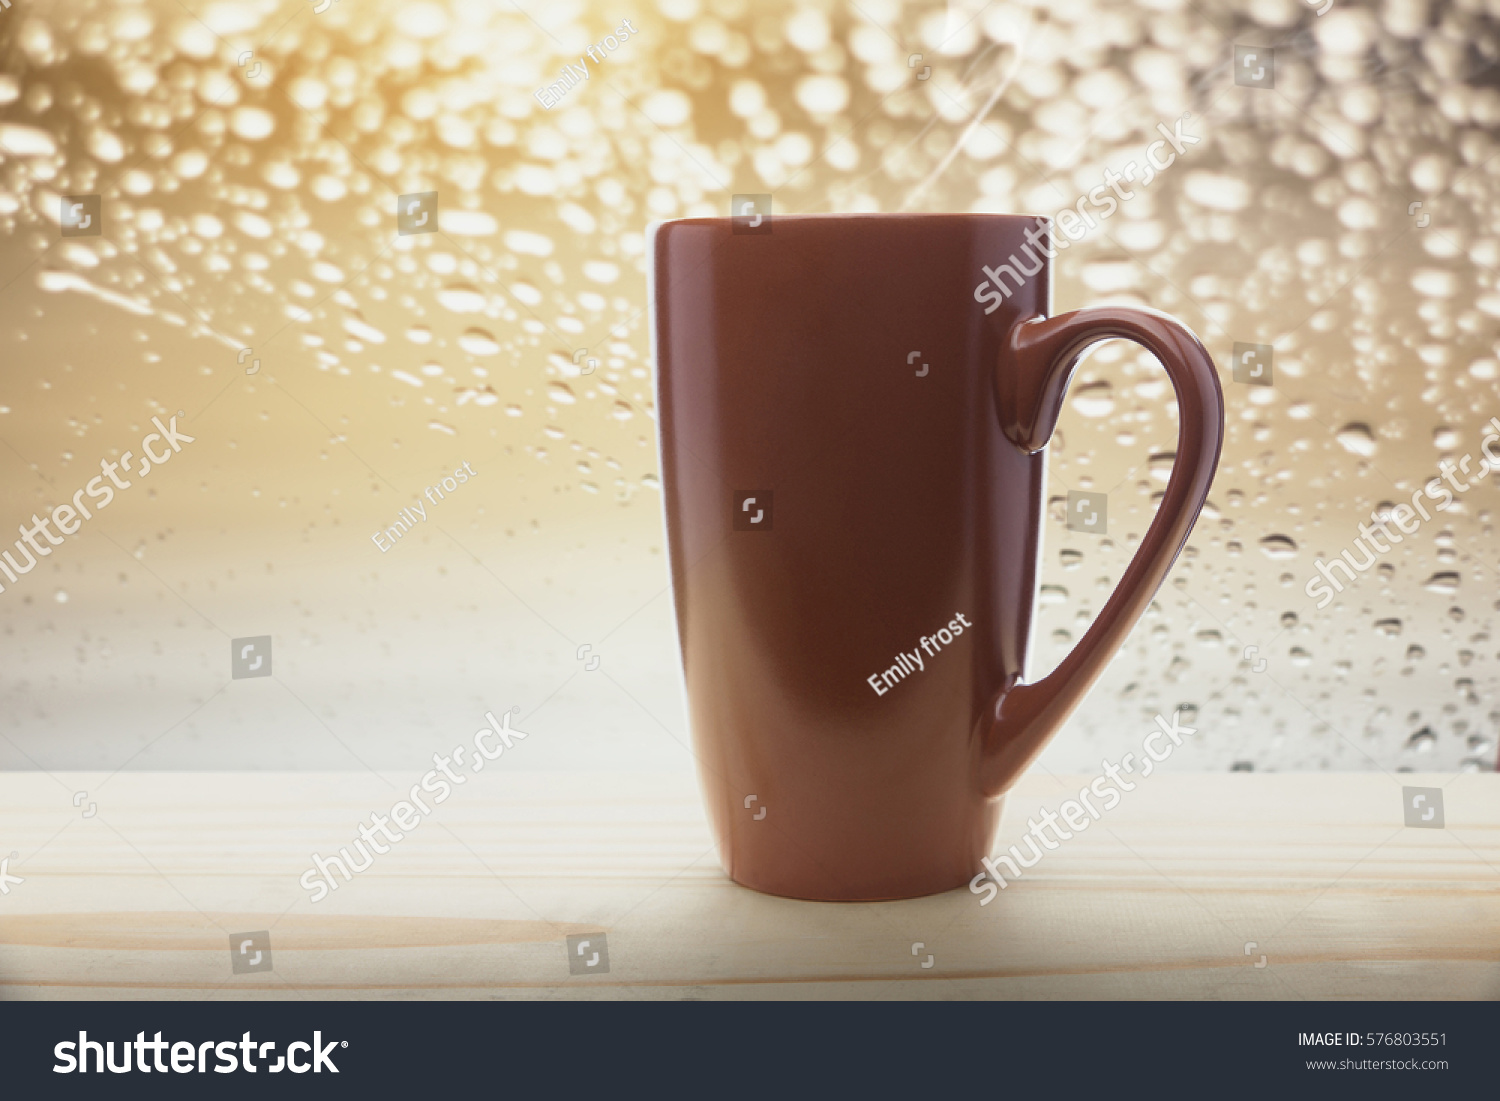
[[1030, 384]]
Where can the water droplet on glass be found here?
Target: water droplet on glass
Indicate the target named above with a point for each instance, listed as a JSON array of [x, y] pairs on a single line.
[[1278, 546], [1094, 399], [1422, 741], [1052, 594], [357, 327], [462, 298], [26, 141], [1357, 439], [478, 342]]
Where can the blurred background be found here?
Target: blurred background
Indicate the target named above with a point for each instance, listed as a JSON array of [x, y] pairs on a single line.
[[246, 270]]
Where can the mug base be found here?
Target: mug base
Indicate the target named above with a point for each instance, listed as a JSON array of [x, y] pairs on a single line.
[[887, 867], [891, 895]]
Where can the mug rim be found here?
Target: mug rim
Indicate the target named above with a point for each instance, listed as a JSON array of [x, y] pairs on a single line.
[[880, 215]]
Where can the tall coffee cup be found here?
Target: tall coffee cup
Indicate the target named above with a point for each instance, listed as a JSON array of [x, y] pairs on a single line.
[[853, 414]]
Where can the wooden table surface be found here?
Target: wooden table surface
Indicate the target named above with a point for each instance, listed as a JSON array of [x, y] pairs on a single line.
[[1196, 886]]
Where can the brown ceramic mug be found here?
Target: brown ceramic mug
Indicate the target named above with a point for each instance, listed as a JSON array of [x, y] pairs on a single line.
[[852, 423]]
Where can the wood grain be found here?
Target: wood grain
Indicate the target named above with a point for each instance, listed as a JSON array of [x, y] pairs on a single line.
[[1158, 900]]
